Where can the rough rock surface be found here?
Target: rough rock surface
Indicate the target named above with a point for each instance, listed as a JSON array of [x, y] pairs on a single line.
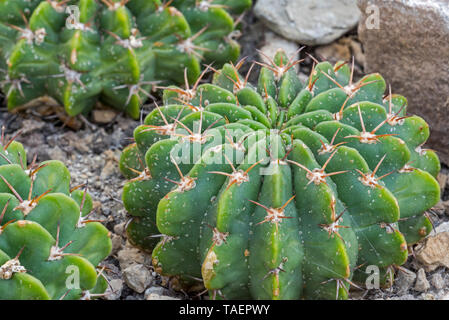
[[437, 281], [421, 283], [309, 22], [137, 277], [435, 251], [411, 50], [405, 279]]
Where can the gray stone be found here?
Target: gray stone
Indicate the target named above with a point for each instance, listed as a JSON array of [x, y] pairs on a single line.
[[428, 296], [309, 22], [116, 243], [421, 284], [115, 289], [442, 227], [137, 277], [410, 48], [130, 255], [120, 228], [57, 154], [109, 169], [156, 290], [405, 280], [437, 281]]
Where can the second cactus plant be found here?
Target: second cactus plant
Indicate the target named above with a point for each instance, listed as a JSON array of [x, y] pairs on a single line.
[[49, 247], [114, 51]]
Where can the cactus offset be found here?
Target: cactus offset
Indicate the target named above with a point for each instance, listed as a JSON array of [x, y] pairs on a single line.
[[295, 190], [46, 235], [114, 50]]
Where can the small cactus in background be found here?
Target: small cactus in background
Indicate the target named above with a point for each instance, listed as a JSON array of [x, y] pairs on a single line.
[[80, 52], [49, 248], [293, 190]]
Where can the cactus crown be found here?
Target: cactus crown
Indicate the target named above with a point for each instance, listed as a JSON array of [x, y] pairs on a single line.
[[80, 52], [282, 190], [49, 248]]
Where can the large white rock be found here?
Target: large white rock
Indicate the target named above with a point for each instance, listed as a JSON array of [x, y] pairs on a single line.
[[311, 22]]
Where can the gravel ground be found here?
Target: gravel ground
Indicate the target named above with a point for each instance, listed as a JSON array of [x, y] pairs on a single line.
[[92, 154]]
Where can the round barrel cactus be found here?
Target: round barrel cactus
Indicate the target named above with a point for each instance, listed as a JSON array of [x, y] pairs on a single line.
[[282, 190], [49, 247], [80, 52]]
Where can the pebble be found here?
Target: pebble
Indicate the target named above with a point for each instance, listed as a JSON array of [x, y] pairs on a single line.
[[405, 279], [104, 116], [421, 283], [115, 289], [445, 296], [109, 169], [130, 255], [120, 228], [157, 290], [116, 243], [137, 277], [437, 281], [56, 153], [428, 296]]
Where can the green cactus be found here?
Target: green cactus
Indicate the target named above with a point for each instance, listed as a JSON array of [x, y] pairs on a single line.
[[49, 249], [284, 190], [80, 52]]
